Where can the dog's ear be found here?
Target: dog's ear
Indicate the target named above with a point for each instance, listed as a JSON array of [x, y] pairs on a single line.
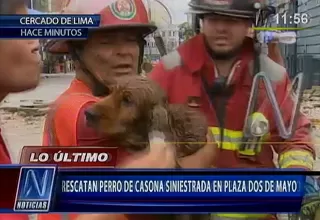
[[160, 122], [159, 119]]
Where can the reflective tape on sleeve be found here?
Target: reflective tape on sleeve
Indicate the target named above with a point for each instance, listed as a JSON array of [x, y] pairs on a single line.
[[296, 158]]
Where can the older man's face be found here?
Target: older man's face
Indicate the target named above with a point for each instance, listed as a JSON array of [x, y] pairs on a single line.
[[112, 53]]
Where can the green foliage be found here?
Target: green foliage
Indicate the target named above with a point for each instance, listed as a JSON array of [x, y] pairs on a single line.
[[186, 31]]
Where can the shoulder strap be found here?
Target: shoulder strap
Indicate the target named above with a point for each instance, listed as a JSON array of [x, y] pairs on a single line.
[[172, 60], [275, 71], [50, 125]]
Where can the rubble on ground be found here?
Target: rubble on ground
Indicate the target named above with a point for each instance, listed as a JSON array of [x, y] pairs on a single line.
[[310, 105], [26, 108]]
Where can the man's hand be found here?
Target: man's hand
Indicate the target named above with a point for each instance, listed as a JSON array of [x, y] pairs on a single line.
[[160, 155]]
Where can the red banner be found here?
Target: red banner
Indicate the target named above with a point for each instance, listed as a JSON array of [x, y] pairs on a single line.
[[69, 156]]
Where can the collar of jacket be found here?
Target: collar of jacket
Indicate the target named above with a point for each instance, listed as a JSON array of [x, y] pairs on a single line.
[[196, 58]]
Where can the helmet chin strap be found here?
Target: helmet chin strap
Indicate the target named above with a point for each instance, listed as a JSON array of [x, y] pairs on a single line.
[[142, 43], [99, 89]]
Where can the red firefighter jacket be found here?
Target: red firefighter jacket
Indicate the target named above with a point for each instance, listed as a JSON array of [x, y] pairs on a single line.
[[179, 74], [5, 159]]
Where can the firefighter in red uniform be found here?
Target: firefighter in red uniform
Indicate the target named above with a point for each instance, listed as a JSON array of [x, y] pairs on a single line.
[[19, 71], [213, 71], [113, 49]]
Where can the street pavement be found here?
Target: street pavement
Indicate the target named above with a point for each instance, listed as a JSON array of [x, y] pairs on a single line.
[[21, 130], [50, 87]]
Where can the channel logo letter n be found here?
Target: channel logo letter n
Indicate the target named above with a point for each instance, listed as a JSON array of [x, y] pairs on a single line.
[[35, 189]]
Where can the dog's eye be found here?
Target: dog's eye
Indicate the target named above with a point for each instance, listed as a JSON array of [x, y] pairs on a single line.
[[127, 101]]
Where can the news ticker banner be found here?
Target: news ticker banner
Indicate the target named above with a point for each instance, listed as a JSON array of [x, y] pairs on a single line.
[[67, 186], [49, 26], [39, 189]]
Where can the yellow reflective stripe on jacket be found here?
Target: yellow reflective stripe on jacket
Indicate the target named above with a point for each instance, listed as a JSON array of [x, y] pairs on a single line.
[[232, 140], [296, 158], [257, 115], [241, 215]]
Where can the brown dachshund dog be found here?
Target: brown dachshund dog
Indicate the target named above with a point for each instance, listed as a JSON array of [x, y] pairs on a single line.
[[137, 107]]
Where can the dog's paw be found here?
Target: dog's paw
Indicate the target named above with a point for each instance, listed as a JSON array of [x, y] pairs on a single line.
[[156, 137]]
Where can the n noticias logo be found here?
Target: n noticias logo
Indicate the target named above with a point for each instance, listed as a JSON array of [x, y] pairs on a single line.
[[35, 189]]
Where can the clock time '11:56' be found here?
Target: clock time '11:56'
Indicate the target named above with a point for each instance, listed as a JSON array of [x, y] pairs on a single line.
[[296, 18]]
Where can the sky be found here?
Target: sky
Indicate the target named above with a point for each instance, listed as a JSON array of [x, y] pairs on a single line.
[[177, 9]]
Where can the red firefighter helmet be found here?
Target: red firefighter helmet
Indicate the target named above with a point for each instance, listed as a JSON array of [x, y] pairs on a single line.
[[115, 15]]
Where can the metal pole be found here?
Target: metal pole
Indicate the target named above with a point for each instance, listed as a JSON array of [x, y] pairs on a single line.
[[49, 6], [149, 10], [295, 50], [31, 4]]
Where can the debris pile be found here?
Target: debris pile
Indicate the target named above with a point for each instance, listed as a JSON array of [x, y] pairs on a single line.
[[310, 105], [26, 108]]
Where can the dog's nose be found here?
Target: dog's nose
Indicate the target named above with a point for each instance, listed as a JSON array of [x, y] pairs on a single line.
[[91, 116]]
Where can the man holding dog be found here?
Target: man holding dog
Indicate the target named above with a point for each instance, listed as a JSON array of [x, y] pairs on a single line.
[[114, 49], [213, 71]]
